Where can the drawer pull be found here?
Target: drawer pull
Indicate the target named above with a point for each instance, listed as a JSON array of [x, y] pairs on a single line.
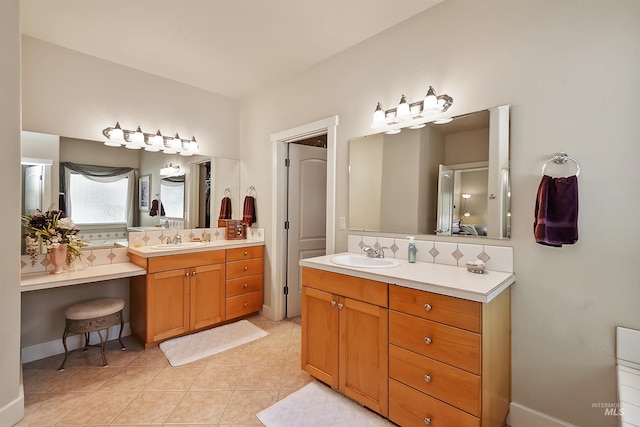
[[246, 285], [246, 253], [333, 303], [246, 268], [427, 421], [340, 306], [427, 378], [427, 340], [427, 307], [246, 304]]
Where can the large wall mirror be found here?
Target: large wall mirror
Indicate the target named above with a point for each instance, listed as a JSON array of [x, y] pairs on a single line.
[[193, 198], [449, 179]]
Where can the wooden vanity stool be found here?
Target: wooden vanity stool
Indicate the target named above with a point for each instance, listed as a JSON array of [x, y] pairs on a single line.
[[93, 316]]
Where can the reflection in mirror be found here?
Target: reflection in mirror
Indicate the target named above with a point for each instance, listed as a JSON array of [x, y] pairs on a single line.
[[172, 196], [413, 182]]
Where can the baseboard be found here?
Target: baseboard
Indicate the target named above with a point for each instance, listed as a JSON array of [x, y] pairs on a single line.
[[51, 348], [13, 411], [521, 416], [266, 312]]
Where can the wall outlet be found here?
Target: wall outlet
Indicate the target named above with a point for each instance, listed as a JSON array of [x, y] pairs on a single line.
[[343, 223]]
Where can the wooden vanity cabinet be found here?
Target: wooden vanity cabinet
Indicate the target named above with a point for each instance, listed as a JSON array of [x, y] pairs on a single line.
[[244, 281], [179, 294], [449, 362], [345, 335]]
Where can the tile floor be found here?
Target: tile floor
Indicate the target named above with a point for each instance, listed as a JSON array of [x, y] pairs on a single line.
[[141, 388]]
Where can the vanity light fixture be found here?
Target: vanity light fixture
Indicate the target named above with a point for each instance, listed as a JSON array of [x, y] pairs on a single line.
[[171, 170], [137, 139], [413, 115]]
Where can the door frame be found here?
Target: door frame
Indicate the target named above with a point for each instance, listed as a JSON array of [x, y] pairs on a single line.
[[279, 207]]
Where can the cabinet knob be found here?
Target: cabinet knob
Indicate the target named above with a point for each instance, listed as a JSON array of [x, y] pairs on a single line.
[[427, 307], [246, 268], [194, 273], [246, 285], [246, 253], [427, 340], [427, 378], [187, 274], [333, 303], [340, 306], [246, 304], [427, 421]]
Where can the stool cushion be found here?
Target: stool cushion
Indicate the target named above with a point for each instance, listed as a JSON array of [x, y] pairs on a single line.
[[94, 308]]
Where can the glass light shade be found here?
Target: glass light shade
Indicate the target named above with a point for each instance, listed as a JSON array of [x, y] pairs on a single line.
[[112, 143], [443, 121], [378, 116], [393, 131], [467, 213], [116, 133], [138, 137], [403, 111], [430, 100]]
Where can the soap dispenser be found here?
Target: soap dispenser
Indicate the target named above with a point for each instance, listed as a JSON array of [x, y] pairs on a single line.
[[412, 249]]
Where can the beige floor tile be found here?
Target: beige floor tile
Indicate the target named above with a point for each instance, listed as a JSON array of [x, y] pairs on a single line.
[[200, 407], [46, 409], [237, 356], [244, 404], [217, 378], [294, 377], [272, 355], [150, 407], [260, 378], [130, 378], [174, 379], [279, 338], [87, 379], [294, 353], [44, 380], [150, 357], [100, 408]]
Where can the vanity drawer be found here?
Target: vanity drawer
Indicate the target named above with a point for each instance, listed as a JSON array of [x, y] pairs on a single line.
[[238, 254], [452, 385], [445, 343], [409, 407], [174, 262], [452, 311], [244, 268], [243, 285], [366, 290], [243, 304]]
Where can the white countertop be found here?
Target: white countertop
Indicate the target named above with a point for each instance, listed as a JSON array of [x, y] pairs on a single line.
[[44, 280], [442, 279], [150, 251]]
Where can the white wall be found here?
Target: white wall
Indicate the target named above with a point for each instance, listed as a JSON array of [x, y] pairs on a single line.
[[11, 396], [570, 71], [70, 94]]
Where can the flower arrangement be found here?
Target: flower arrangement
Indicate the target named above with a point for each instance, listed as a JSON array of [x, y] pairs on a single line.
[[53, 229]]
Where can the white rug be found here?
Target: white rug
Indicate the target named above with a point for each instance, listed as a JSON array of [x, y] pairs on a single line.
[[196, 346], [317, 405]]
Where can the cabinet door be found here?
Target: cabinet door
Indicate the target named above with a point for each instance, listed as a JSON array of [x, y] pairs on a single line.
[[364, 353], [207, 295], [320, 335], [168, 304]]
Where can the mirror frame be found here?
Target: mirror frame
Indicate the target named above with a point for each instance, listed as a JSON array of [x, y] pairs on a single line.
[[498, 186]]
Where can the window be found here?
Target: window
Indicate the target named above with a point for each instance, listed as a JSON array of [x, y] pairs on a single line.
[[97, 202]]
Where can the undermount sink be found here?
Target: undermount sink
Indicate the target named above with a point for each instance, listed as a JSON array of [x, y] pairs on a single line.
[[360, 261], [183, 245]]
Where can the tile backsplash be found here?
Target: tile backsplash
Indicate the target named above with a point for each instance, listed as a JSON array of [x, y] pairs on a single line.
[[497, 258]]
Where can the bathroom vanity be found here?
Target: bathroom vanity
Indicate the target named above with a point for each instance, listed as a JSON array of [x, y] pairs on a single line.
[[193, 288], [420, 343]]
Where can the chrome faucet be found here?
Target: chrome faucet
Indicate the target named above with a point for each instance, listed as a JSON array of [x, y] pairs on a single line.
[[373, 252], [174, 240]]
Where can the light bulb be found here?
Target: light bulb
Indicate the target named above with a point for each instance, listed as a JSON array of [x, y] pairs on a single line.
[[403, 111], [430, 100], [378, 116]]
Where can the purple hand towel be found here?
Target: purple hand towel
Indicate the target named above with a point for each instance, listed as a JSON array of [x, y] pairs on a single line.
[[225, 208], [556, 212]]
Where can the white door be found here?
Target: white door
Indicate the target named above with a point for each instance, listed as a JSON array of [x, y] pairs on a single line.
[[307, 215], [33, 189], [445, 201]]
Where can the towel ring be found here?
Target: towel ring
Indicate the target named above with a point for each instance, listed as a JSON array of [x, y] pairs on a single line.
[[227, 192], [561, 159], [251, 191]]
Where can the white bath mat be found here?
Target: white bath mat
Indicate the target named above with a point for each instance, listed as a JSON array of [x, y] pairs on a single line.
[[190, 348], [317, 405]]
